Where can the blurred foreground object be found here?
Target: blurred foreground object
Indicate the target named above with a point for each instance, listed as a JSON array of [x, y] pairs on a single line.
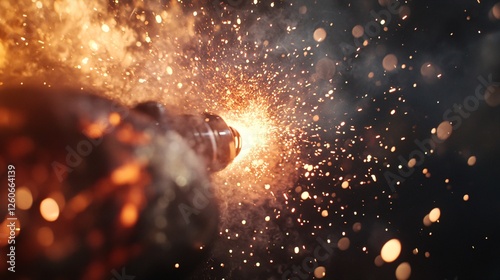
[[104, 191]]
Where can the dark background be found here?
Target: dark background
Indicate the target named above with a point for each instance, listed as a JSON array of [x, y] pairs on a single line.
[[464, 244]]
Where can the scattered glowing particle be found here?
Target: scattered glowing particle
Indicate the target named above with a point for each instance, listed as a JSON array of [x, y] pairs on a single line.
[[434, 215], [315, 118], [319, 272], [158, 18], [428, 70], [24, 199], [324, 213], [403, 271], [304, 195], [427, 254], [267, 218], [466, 197], [176, 265], [356, 227], [345, 184], [267, 186], [39, 4], [49, 209], [444, 130], [296, 250], [358, 31], [390, 62], [471, 161], [169, 70], [105, 28], [412, 162], [243, 222], [93, 45], [343, 243], [391, 250], [415, 251], [319, 35]]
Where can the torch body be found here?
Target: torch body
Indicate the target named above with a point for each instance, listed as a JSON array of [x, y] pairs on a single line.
[[103, 189]]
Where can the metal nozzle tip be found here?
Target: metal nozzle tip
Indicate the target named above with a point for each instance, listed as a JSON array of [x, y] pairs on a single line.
[[237, 140]]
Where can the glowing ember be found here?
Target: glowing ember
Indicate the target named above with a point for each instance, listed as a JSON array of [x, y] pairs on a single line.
[[403, 271], [391, 250], [49, 209], [434, 215]]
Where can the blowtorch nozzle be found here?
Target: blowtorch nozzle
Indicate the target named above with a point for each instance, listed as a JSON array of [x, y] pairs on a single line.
[[207, 134]]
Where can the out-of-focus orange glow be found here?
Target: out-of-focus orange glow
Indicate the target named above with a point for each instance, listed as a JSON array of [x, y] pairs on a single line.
[[345, 185], [378, 261], [94, 130], [9, 118], [304, 195], [59, 199], [24, 198], [403, 271], [114, 119], [391, 250], [319, 34], [5, 231], [390, 62], [45, 236], [79, 202], [434, 215], [320, 272], [126, 174], [444, 130], [358, 31], [49, 209], [496, 11], [343, 243], [20, 146], [471, 161], [427, 222], [356, 227], [129, 215]]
